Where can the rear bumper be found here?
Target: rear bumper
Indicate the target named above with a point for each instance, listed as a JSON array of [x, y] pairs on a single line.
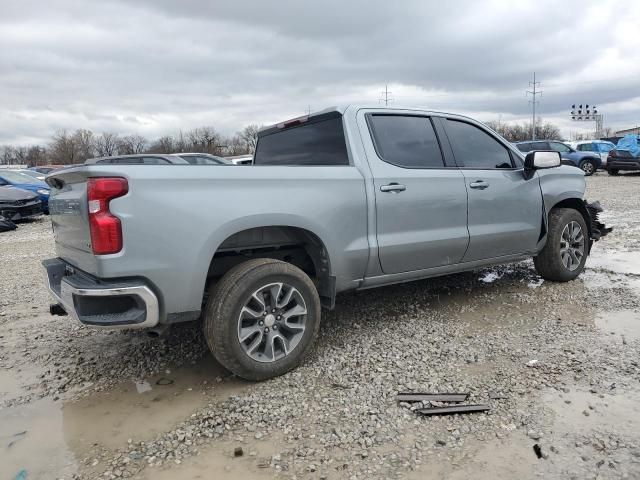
[[631, 164], [99, 303]]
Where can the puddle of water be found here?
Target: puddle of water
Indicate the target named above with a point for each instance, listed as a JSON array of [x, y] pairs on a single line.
[[129, 411], [619, 413], [218, 457], [42, 449], [624, 262], [60, 432], [622, 322], [511, 457]]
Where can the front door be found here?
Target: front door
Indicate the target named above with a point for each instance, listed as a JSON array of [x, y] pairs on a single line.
[[421, 205], [505, 208]]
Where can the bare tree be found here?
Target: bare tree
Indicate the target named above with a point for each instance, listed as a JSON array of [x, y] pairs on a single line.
[[63, 149], [132, 144], [106, 144], [250, 137]]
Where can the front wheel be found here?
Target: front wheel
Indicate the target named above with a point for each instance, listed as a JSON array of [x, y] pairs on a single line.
[[565, 253], [588, 167], [261, 318], [613, 171]]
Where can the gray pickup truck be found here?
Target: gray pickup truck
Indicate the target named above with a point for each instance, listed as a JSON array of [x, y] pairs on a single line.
[[345, 199]]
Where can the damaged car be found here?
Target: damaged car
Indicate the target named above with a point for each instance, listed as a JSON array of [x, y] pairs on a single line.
[[349, 198], [17, 204]]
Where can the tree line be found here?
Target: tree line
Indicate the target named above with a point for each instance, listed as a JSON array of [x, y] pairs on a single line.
[[518, 132], [75, 147]]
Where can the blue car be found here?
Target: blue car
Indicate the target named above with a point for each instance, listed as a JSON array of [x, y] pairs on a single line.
[[26, 182], [589, 162]]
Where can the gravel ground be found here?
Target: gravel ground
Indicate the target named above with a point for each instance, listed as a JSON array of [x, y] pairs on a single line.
[[557, 363]]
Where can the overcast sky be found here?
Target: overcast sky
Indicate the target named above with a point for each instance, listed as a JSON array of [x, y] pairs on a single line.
[[161, 65]]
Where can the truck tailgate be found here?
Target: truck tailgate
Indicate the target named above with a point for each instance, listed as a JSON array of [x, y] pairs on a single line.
[[69, 217]]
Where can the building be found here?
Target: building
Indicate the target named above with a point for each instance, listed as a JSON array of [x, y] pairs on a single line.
[[622, 133]]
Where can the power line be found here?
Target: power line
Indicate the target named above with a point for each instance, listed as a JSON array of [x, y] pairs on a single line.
[[533, 102], [386, 96]]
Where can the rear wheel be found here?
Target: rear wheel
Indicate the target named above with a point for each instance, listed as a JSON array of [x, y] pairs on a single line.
[[588, 167], [613, 171], [261, 318], [565, 253]]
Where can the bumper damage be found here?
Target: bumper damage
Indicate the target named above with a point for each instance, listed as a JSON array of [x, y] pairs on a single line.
[[96, 303], [597, 228]]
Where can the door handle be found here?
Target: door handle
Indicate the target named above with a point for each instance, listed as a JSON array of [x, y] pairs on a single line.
[[393, 187], [479, 184]]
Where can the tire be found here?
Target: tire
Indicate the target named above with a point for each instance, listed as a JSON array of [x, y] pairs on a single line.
[[613, 171], [550, 261], [588, 167], [238, 293]]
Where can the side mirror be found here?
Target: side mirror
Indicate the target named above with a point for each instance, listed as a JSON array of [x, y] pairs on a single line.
[[541, 159]]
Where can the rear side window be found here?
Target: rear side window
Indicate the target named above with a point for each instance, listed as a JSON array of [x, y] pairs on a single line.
[[475, 148], [406, 141], [317, 143], [524, 147]]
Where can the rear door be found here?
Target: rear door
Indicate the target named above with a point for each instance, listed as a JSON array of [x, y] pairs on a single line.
[[505, 208], [421, 203]]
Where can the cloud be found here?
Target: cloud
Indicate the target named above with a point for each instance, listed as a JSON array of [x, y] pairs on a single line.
[[156, 66]]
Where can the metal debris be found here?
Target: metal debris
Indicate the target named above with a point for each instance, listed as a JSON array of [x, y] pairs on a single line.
[[450, 410], [431, 397]]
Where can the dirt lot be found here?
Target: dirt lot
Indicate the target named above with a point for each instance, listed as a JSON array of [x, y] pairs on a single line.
[[561, 358]]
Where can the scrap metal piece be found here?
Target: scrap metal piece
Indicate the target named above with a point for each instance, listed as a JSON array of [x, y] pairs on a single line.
[[450, 410], [431, 397]]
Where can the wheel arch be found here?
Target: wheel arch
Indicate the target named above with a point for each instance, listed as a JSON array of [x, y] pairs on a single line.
[[294, 244], [575, 204]]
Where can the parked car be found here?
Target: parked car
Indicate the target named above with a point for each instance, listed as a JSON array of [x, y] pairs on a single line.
[[626, 155], [589, 162], [241, 160], [598, 147], [27, 182], [46, 168], [345, 199], [202, 159], [139, 159], [17, 204]]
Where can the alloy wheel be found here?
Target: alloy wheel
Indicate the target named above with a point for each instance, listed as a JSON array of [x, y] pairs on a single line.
[[272, 322]]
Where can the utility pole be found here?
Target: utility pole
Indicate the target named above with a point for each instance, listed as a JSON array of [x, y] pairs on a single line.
[[386, 94], [533, 102], [308, 109]]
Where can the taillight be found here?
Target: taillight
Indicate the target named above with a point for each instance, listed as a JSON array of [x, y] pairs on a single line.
[[105, 229]]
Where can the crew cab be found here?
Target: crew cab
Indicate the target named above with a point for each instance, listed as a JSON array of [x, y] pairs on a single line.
[[345, 199]]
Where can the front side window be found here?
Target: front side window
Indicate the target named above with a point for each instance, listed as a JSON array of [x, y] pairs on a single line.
[[406, 141], [474, 148], [524, 147], [585, 147], [559, 147], [316, 143]]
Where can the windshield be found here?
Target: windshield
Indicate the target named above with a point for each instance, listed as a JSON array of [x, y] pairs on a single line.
[[17, 177], [32, 173]]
